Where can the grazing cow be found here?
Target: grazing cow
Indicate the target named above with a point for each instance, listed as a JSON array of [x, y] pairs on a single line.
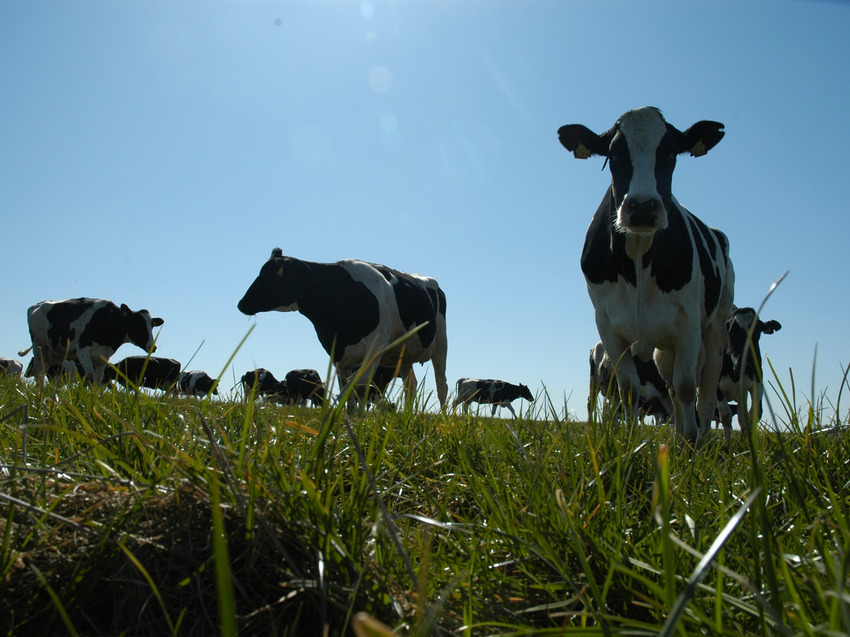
[[152, 372], [197, 383], [489, 392], [357, 309], [11, 366], [742, 374], [87, 331], [660, 280], [653, 398], [303, 385], [263, 383]]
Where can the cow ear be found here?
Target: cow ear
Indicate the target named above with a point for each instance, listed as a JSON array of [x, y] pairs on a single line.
[[276, 253], [701, 138], [156, 322], [581, 141], [125, 309], [769, 327]]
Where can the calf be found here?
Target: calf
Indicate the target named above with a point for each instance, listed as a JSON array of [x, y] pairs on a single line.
[[741, 377], [653, 398], [660, 280], [197, 383], [262, 383], [359, 309], [489, 392], [303, 385], [152, 372], [87, 331], [11, 366]]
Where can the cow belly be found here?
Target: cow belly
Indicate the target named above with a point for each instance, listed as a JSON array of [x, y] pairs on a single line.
[[656, 323]]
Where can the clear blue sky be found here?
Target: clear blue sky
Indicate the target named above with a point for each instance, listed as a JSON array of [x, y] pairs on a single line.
[[154, 153]]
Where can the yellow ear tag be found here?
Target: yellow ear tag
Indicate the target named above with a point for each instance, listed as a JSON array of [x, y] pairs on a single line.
[[698, 150], [582, 152], [280, 272]]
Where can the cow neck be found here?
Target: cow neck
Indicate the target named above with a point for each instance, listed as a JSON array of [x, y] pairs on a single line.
[[308, 286]]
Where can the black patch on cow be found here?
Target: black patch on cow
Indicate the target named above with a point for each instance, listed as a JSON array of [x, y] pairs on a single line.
[[604, 255], [415, 305], [106, 327], [59, 319], [705, 239], [671, 254]]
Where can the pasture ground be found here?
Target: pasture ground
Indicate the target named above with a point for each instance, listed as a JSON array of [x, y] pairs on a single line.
[[125, 513]]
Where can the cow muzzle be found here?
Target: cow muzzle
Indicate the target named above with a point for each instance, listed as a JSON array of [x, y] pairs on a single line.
[[642, 214]]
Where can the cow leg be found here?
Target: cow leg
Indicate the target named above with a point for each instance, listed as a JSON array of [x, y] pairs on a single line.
[[509, 406], [38, 365], [628, 382], [410, 386], [725, 414], [684, 390], [713, 342], [438, 360]]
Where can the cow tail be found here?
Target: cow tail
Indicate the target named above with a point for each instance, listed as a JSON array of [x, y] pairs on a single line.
[[24, 352]]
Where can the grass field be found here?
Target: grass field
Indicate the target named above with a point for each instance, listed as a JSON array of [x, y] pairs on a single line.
[[126, 513]]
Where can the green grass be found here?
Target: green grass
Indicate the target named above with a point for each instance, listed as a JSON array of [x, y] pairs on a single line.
[[133, 514]]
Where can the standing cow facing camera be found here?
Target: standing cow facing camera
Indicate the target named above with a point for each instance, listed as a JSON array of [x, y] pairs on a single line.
[[358, 308], [87, 331], [742, 380], [660, 280]]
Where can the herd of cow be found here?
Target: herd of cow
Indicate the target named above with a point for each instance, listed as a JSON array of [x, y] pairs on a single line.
[[660, 280], [75, 338]]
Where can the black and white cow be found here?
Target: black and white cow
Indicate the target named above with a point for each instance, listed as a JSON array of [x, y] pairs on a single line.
[[263, 384], [489, 392], [11, 367], [197, 383], [87, 331], [152, 372], [660, 280], [741, 377], [357, 309], [303, 385], [653, 397]]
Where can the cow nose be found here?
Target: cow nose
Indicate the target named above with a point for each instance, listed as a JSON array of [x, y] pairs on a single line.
[[643, 211], [642, 206]]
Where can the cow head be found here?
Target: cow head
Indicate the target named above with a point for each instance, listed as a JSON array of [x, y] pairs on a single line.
[[139, 326], [273, 289], [741, 320], [641, 149], [261, 379], [525, 392]]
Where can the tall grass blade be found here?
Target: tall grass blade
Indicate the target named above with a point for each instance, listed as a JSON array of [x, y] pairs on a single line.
[[57, 602], [223, 574], [701, 569]]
